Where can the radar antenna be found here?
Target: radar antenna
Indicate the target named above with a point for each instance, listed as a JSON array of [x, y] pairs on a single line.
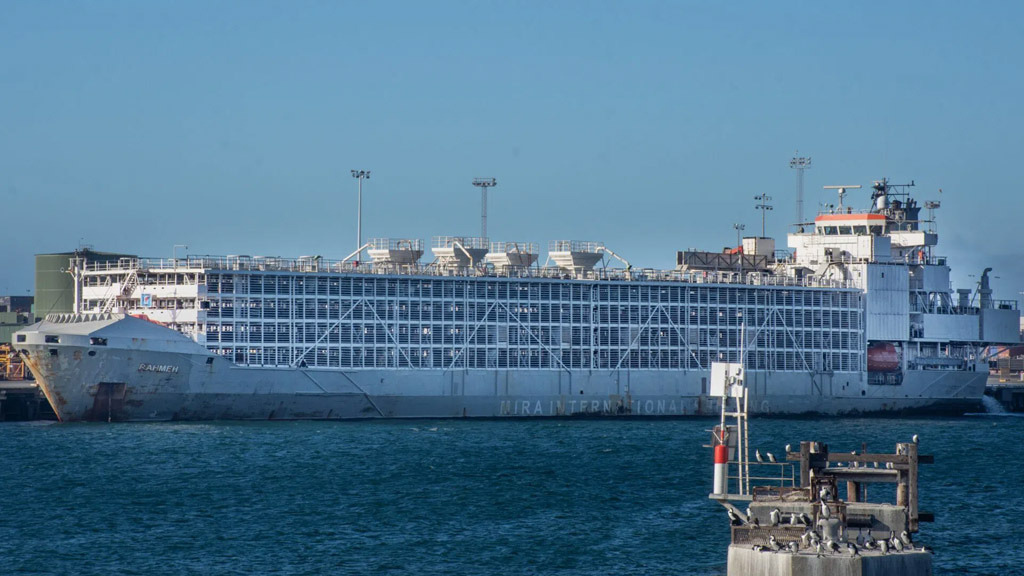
[[842, 191]]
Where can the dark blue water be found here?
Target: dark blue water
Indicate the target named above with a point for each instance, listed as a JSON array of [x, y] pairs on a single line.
[[448, 497]]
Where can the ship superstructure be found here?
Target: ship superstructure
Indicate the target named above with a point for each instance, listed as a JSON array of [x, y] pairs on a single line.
[[858, 318]]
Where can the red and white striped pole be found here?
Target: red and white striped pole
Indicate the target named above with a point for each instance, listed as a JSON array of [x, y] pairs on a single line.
[[721, 469]]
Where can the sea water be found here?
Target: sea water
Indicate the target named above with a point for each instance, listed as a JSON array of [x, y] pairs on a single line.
[[451, 497]]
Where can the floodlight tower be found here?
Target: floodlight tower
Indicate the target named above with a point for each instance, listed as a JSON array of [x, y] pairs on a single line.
[[739, 243], [800, 164], [484, 184], [360, 175], [764, 207]]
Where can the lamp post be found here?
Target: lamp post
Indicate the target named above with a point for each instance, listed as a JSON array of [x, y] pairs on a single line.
[[800, 163], [739, 244], [484, 184], [174, 252], [360, 175], [764, 207]]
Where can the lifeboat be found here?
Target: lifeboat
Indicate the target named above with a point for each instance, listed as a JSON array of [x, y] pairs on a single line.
[[883, 357]]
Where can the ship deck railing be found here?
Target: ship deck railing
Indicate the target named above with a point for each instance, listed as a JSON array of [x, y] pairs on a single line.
[[317, 264]]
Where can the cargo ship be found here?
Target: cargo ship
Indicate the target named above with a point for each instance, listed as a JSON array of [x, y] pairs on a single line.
[[857, 317]]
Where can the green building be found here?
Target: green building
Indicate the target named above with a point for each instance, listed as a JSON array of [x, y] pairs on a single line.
[[15, 314], [55, 288]]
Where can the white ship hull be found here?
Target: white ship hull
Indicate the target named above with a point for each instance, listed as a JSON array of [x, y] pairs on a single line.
[[158, 375]]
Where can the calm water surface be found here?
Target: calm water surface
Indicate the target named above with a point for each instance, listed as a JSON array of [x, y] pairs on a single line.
[[448, 497]]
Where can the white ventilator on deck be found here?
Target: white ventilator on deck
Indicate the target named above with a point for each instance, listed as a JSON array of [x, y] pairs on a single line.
[[513, 255], [395, 253], [459, 251], [577, 257]]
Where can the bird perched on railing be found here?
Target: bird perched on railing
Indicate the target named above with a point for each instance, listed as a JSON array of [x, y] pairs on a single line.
[[734, 518], [775, 517], [771, 458], [757, 455]]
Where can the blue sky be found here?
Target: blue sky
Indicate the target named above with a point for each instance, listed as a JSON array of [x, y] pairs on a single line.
[[232, 126]]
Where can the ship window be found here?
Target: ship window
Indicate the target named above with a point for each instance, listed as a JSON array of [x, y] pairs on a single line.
[[860, 229], [846, 230], [830, 230], [877, 230], [53, 351], [20, 338], [52, 339], [98, 341]]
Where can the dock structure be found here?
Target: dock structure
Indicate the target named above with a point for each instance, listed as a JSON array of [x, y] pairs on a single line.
[[811, 515]]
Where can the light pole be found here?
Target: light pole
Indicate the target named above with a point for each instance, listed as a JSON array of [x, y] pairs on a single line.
[[484, 184], [360, 175], [762, 205], [739, 243], [174, 252], [800, 164]]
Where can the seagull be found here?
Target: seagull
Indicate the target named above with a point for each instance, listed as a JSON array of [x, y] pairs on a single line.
[[749, 513], [774, 543], [870, 543], [805, 538], [852, 549], [884, 545], [805, 518], [818, 548], [734, 518], [757, 454], [825, 513], [905, 536], [927, 549], [914, 439], [754, 522], [833, 547], [771, 458], [898, 544], [759, 548], [775, 517], [794, 547], [876, 464], [789, 448], [824, 494]]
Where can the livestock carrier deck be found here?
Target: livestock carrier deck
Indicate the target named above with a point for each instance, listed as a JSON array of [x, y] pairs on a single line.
[[858, 318]]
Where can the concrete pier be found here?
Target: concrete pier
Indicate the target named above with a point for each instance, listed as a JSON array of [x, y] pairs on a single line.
[[811, 519], [22, 400], [743, 560]]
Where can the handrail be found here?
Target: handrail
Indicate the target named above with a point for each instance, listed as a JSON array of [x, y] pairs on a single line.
[[202, 264]]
